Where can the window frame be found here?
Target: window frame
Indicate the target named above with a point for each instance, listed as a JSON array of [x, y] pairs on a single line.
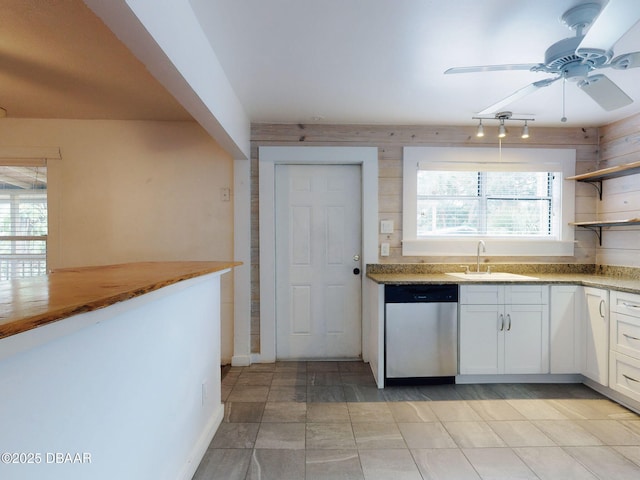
[[506, 159]]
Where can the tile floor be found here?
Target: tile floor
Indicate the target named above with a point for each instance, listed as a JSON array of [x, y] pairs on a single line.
[[327, 420]]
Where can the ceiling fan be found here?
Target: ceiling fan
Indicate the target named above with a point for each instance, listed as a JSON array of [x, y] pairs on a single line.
[[575, 58]]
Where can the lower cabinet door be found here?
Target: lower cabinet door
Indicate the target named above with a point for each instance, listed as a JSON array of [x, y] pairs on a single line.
[[526, 345], [481, 340]]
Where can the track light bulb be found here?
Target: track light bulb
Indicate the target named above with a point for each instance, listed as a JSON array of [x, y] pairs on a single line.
[[502, 131], [480, 130], [525, 130]]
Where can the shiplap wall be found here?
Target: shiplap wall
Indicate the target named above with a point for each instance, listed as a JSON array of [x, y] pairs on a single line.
[[390, 141], [620, 143]]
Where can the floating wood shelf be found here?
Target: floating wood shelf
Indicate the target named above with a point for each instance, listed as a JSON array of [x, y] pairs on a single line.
[[597, 226], [596, 178]]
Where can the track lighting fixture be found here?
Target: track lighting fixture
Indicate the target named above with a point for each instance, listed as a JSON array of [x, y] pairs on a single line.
[[502, 131], [503, 117]]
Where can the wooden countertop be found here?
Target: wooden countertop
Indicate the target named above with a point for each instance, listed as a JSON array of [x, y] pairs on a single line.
[[28, 303]]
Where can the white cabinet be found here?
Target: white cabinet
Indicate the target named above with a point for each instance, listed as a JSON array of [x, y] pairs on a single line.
[[566, 329], [504, 329], [596, 366], [624, 372]]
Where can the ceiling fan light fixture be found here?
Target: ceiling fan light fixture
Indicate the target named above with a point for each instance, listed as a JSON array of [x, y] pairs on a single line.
[[525, 130], [480, 130]]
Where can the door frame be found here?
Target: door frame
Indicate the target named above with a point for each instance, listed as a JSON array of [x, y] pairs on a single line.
[[268, 158]]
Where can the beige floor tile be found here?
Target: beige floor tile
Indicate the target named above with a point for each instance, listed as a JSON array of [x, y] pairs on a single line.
[[328, 412], [333, 465], [553, 463], [378, 435], [521, 433], [610, 432], [605, 462], [426, 435], [498, 464], [407, 412], [235, 435], [536, 409], [289, 436], [243, 412], [248, 393], [389, 464], [289, 378], [473, 435], [294, 393], [330, 435], [630, 452], [444, 464], [370, 412], [592, 409], [285, 412], [255, 378], [495, 410], [277, 465], [567, 433], [454, 411], [224, 464]]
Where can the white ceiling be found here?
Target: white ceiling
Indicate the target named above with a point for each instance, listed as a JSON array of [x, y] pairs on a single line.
[[382, 61], [308, 61]]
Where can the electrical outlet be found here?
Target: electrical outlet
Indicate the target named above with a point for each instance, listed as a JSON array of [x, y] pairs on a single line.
[[225, 194], [384, 249]]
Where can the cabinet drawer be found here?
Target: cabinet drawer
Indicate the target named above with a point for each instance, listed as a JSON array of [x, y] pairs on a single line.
[[486, 294], [492, 294], [624, 376], [625, 334], [626, 303], [526, 294]]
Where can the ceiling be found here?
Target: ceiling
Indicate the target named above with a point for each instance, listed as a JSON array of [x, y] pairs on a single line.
[[59, 60], [312, 61]]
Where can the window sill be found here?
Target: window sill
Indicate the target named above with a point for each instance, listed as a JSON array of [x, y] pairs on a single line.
[[495, 247]]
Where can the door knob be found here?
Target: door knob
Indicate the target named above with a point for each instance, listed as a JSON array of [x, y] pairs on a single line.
[[356, 271], [356, 257]]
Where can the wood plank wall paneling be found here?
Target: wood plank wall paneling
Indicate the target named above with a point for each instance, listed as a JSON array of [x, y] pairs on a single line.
[[390, 140], [620, 143]]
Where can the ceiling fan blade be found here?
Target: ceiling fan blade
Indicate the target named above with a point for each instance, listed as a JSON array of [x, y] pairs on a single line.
[[604, 92], [492, 68], [518, 94], [625, 61], [615, 19]]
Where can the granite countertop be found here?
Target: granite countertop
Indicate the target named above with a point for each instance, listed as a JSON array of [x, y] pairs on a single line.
[[28, 303], [409, 274]]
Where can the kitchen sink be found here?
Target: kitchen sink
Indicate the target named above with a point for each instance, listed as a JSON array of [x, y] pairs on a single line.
[[489, 276]]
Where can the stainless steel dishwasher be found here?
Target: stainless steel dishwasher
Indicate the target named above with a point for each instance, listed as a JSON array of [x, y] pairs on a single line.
[[421, 334]]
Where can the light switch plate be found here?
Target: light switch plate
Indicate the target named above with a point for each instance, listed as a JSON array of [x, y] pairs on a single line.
[[384, 249], [386, 226]]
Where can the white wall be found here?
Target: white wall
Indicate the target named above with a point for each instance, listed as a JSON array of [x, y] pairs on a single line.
[[135, 191], [122, 384]]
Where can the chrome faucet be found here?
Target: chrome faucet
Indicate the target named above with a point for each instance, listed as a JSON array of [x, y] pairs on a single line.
[[484, 249]]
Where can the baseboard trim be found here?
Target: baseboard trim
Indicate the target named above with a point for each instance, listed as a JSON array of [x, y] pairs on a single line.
[[200, 448]]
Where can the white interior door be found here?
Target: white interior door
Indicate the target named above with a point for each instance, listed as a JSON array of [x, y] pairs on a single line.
[[318, 243]]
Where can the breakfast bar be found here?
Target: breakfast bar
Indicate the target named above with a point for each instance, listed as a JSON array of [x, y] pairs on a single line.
[[110, 371]]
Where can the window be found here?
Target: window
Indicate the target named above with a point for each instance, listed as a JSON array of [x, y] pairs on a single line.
[[519, 201], [23, 221]]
